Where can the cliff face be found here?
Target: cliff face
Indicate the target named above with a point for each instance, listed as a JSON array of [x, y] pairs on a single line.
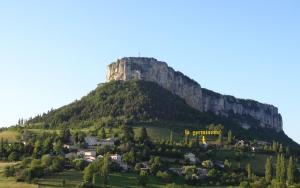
[[149, 69]]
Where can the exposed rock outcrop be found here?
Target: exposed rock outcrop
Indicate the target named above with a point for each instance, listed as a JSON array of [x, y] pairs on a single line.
[[149, 69]]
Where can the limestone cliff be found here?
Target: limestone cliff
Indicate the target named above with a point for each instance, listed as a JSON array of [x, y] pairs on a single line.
[[149, 69]]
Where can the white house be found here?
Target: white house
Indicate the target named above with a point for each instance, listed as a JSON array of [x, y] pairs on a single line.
[[240, 143], [89, 158], [191, 157], [117, 158], [84, 153]]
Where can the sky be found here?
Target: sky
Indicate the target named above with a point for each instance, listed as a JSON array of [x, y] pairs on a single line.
[[54, 52]]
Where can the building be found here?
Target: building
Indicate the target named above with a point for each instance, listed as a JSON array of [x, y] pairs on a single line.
[[107, 142], [91, 141], [83, 153], [116, 158], [191, 157], [201, 172]]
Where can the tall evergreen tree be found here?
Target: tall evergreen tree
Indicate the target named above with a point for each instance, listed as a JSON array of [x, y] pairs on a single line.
[[229, 137], [275, 146], [278, 168], [291, 171], [143, 134], [220, 139], [128, 134], [280, 148], [282, 169], [171, 137], [104, 171], [102, 134], [249, 171], [1, 149], [187, 139], [268, 170]]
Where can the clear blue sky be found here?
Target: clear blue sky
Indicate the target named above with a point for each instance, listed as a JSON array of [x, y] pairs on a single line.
[[53, 52]]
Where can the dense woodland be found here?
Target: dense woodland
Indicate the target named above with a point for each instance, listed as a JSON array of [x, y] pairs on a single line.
[[142, 102]]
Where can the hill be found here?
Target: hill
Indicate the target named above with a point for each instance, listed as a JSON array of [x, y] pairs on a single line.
[[146, 103]]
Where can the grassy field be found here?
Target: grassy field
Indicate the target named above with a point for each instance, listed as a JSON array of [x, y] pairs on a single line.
[[156, 132], [11, 182], [72, 179], [116, 180], [10, 135]]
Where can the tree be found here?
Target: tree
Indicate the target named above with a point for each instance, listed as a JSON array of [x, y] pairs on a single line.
[[187, 139], [47, 146], [227, 164], [46, 160], [277, 167], [63, 183], [129, 157], [229, 137], [155, 165], [249, 171], [164, 176], [58, 147], [13, 156], [128, 134], [171, 137], [291, 171], [275, 146], [104, 170], [102, 134], [66, 135], [88, 173], [287, 151], [37, 149], [1, 149], [94, 179], [280, 148], [220, 139], [144, 135], [143, 179], [268, 170], [282, 169]]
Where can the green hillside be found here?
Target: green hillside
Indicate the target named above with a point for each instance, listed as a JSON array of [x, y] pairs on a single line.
[[144, 103]]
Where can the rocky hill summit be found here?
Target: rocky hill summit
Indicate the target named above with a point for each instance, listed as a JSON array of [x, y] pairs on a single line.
[[204, 100]]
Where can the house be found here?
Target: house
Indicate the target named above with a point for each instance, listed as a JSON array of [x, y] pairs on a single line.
[[201, 172], [70, 147], [83, 153], [191, 157], [263, 143], [89, 158], [91, 141], [87, 155], [240, 143], [116, 158], [107, 142]]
